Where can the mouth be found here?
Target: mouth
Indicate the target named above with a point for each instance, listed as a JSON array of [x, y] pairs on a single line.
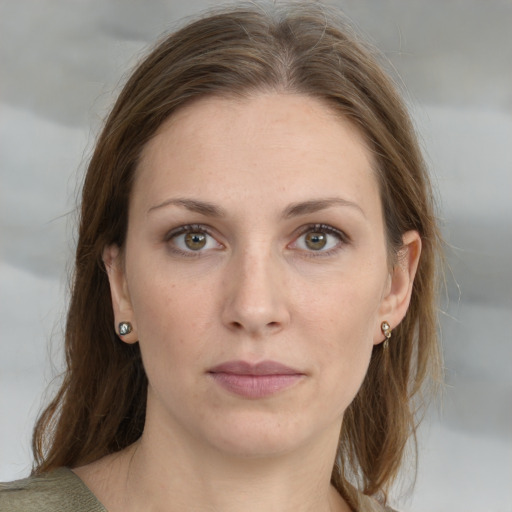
[[255, 380]]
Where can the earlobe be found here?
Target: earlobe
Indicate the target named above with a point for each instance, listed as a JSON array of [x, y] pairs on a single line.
[[121, 303], [394, 306]]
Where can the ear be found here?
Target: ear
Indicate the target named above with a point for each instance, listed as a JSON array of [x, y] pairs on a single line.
[[398, 294], [121, 303]]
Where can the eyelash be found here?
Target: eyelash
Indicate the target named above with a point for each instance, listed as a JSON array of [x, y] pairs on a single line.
[[343, 238]]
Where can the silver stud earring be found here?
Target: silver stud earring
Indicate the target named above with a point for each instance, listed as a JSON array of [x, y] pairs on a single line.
[[125, 328]]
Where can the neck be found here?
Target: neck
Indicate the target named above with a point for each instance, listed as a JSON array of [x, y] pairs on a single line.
[[169, 471], [201, 479]]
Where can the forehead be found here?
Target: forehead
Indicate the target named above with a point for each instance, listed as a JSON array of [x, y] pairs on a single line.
[[251, 147]]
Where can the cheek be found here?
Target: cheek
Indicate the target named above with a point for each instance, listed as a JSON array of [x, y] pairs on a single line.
[[341, 322], [173, 341], [170, 324], [347, 306], [342, 362]]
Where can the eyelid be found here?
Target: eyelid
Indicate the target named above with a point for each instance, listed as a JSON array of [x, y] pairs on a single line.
[[325, 228], [187, 228]]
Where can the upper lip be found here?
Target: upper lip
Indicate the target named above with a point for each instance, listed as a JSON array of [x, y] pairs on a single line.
[[246, 368]]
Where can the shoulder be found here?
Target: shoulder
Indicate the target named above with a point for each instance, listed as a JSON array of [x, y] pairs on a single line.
[[57, 491]]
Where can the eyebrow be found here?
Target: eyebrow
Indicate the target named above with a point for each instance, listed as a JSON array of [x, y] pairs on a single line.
[[194, 205], [293, 210], [316, 205]]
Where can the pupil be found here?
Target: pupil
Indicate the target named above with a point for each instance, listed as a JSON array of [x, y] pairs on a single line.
[[195, 241], [316, 241]]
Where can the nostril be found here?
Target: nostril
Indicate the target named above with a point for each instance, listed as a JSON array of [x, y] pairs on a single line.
[[240, 325]]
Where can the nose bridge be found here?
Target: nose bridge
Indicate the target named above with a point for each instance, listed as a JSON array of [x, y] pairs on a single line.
[[255, 299]]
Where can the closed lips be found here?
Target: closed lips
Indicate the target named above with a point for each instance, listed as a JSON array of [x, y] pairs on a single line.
[[255, 381]]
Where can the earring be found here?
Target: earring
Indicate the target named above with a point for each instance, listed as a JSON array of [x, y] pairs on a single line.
[[124, 328], [386, 330]]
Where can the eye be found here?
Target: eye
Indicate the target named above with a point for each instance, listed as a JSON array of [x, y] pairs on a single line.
[[195, 241], [316, 241], [319, 238], [192, 239]]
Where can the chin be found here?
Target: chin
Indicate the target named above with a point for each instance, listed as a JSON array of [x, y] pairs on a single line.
[[255, 446], [258, 436]]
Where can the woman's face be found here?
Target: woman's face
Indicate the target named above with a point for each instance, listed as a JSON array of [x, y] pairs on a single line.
[[255, 272]]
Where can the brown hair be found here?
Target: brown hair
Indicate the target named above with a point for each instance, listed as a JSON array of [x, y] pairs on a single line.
[[295, 48]]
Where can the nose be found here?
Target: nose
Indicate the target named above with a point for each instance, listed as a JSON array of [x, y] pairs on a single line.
[[255, 300]]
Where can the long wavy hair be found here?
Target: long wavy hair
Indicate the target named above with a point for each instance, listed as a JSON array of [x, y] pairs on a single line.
[[295, 48]]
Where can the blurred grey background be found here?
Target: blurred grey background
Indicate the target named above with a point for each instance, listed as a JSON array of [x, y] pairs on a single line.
[[61, 63]]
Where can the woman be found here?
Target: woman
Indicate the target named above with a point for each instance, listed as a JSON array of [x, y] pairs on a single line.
[[253, 308]]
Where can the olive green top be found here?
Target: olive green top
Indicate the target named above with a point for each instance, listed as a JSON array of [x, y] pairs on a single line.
[[58, 491], [62, 491]]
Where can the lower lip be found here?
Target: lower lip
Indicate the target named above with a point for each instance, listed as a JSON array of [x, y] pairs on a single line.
[[255, 386]]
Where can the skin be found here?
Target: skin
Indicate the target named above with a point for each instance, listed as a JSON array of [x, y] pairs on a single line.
[[275, 166]]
